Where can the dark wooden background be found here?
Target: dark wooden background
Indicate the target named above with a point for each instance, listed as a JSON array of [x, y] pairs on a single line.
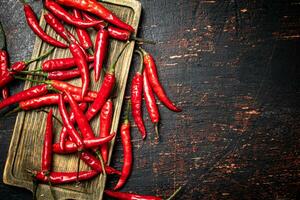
[[233, 66]]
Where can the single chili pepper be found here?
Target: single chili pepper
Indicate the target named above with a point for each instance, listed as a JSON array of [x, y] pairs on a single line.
[[70, 147], [151, 103], [152, 76], [69, 126], [127, 149], [63, 15], [5, 92], [136, 92], [60, 64], [106, 116], [47, 148], [105, 90], [64, 132], [35, 27], [19, 66], [64, 177], [101, 44], [82, 65], [83, 36], [4, 67], [32, 92], [97, 9]]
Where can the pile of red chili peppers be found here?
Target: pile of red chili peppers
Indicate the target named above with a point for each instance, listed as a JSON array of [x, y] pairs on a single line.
[[77, 135]]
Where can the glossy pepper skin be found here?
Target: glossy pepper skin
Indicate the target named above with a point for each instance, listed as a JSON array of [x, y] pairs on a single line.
[[101, 44], [80, 61], [129, 196], [47, 147], [106, 116], [7, 77], [5, 93], [96, 8], [32, 92], [35, 27], [4, 71], [63, 15], [151, 71], [65, 177]]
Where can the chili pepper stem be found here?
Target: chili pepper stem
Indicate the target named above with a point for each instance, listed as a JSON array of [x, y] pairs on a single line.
[[141, 67], [34, 74], [156, 130], [17, 109], [90, 51], [56, 118], [111, 69], [127, 111], [101, 162], [40, 57], [35, 184], [174, 194], [31, 80], [141, 40]]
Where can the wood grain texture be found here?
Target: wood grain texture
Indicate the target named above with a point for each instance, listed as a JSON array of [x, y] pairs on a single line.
[[234, 68]]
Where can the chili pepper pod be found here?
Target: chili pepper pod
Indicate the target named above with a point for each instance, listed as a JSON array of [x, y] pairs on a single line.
[[97, 9], [136, 92], [35, 27], [152, 76], [101, 44], [4, 69], [5, 92], [47, 147], [127, 149], [106, 116]]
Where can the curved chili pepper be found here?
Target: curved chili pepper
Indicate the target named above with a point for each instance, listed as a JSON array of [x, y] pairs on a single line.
[[70, 147], [151, 103], [35, 27], [127, 150], [152, 76], [101, 44], [47, 148], [65, 177], [4, 70], [69, 126], [63, 15], [60, 64], [83, 36], [82, 65], [105, 90], [32, 92], [136, 92], [129, 196], [64, 132], [106, 116], [97, 9]]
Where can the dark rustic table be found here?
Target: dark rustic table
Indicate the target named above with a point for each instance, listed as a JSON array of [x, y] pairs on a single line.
[[233, 66]]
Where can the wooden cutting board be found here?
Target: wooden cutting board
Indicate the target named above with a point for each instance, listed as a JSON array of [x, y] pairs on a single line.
[[27, 140]]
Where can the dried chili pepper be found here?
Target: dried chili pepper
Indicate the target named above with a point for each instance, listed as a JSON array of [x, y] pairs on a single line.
[[82, 65], [136, 92], [152, 76], [35, 27], [151, 103], [106, 116], [127, 149], [105, 90], [69, 126], [63, 15], [101, 44], [47, 147], [32, 92], [97, 9], [83, 36]]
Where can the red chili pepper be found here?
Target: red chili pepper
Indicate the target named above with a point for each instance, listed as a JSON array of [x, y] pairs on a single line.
[[152, 76], [106, 116], [101, 44], [83, 36], [127, 149], [105, 90], [35, 27], [70, 147], [151, 103], [97, 9], [60, 64], [63, 15], [5, 92], [4, 70], [64, 132], [69, 126], [65, 177], [47, 148], [129, 196], [136, 92], [32, 92], [82, 65]]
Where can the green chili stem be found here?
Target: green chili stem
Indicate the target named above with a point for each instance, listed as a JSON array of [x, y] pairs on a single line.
[[111, 69]]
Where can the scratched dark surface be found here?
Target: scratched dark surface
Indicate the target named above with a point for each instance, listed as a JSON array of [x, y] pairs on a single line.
[[234, 68]]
